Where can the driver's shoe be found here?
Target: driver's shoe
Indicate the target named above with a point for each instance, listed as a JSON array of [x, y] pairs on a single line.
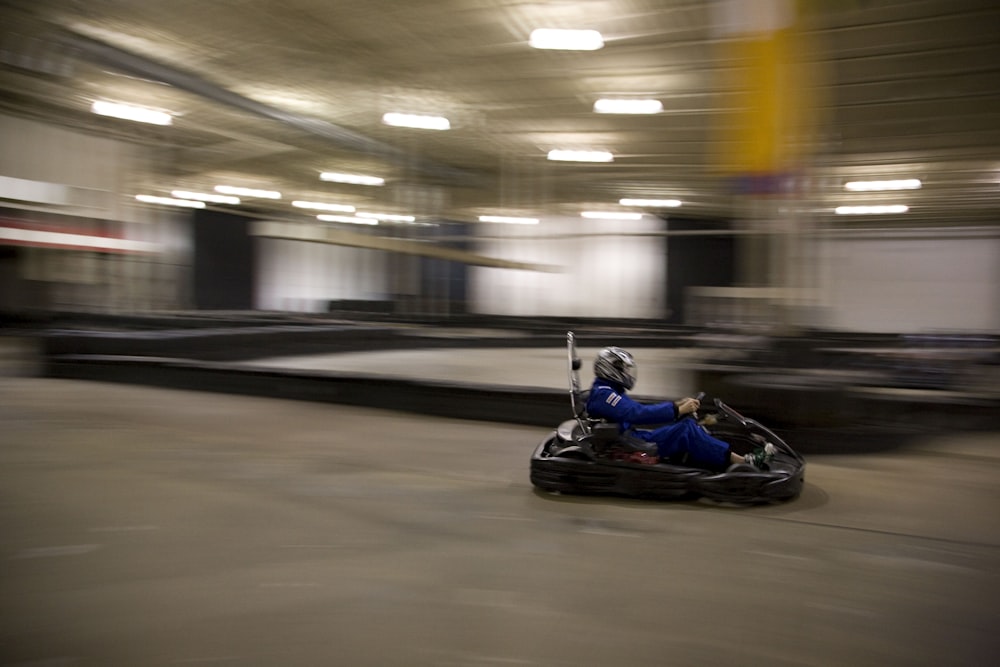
[[762, 456]]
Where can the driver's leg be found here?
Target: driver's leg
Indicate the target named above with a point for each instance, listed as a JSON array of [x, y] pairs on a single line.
[[686, 437]]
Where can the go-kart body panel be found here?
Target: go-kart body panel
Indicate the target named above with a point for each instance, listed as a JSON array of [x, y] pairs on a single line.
[[558, 466]]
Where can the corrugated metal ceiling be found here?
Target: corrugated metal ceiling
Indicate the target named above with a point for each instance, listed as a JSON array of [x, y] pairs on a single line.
[[895, 87]]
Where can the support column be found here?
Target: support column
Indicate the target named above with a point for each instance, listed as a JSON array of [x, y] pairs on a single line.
[[768, 132]]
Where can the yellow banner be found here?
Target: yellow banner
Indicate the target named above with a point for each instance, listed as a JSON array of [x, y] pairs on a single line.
[[769, 93]]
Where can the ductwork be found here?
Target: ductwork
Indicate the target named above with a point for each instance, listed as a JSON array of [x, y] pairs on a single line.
[[341, 138]]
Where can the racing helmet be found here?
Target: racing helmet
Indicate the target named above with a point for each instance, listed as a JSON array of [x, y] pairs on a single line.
[[616, 365]]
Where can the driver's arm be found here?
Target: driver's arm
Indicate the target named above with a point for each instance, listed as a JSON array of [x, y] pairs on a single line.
[[606, 403]]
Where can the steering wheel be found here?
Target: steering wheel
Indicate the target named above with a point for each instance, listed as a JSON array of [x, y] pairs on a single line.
[[694, 415]]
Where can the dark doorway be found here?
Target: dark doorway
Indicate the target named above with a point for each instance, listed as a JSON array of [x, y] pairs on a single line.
[[697, 261], [223, 261]]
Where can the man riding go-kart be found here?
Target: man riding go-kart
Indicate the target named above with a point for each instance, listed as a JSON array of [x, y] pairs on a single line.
[[725, 456]]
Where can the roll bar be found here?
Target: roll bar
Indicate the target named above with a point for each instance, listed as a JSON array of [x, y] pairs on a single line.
[[574, 378]]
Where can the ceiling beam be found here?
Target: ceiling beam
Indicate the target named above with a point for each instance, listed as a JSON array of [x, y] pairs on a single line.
[[340, 137], [292, 231]]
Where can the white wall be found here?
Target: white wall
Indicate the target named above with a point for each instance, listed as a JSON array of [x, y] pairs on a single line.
[[298, 276], [908, 285], [96, 172], [601, 273], [95, 178]]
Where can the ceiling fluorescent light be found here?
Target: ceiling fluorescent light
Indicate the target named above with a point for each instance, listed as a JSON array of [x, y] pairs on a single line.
[[416, 121], [131, 112], [506, 219], [202, 196], [392, 217], [354, 179], [611, 215], [320, 206], [350, 219], [150, 199], [247, 192], [871, 210], [628, 106], [651, 203], [870, 186], [566, 40], [581, 156]]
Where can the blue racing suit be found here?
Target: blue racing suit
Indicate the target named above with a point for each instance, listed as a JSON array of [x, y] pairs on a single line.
[[680, 441]]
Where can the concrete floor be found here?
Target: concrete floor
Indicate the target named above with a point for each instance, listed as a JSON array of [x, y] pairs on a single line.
[[662, 371], [143, 526]]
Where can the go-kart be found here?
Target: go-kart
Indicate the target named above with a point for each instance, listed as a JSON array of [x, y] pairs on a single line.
[[591, 457]]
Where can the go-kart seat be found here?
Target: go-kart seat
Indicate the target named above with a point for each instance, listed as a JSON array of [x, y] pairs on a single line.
[[591, 433], [599, 430], [601, 435]]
